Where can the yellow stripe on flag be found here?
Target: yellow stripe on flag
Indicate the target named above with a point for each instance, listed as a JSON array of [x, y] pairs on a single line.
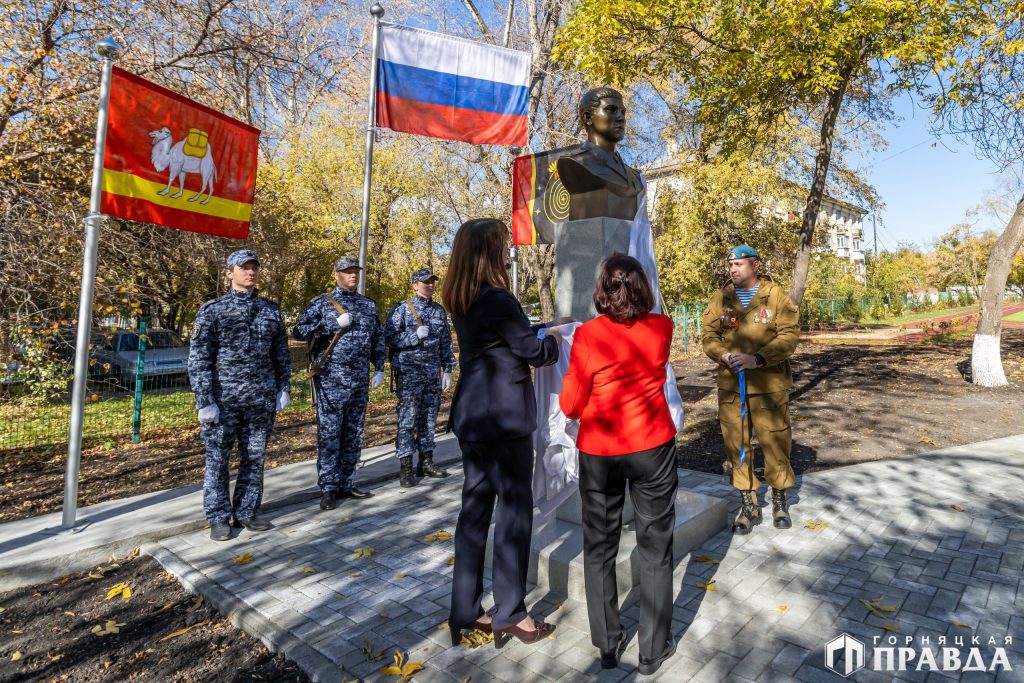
[[128, 185]]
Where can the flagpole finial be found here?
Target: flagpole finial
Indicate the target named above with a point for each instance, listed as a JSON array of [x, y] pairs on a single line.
[[376, 10], [108, 48]]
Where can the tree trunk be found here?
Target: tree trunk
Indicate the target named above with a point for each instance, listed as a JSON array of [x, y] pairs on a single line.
[[822, 161], [541, 259], [986, 363]]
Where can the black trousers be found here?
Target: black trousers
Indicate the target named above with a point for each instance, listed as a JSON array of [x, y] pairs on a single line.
[[502, 471], [653, 480]]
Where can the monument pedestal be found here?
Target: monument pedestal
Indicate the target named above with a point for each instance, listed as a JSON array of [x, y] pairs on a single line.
[[580, 247]]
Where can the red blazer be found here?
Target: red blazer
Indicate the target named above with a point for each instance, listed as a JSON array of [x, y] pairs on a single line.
[[615, 385]]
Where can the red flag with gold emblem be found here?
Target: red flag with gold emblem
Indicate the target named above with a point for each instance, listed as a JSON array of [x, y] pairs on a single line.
[[175, 162]]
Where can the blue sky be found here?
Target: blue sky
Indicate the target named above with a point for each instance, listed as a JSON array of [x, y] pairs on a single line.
[[926, 187]]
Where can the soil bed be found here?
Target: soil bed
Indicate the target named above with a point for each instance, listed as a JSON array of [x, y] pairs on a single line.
[[163, 632], [858, 402]]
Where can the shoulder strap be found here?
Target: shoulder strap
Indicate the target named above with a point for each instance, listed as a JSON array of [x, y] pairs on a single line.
[[415, 315], [341, 309]]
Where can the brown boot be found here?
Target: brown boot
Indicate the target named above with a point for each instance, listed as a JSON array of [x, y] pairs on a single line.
[[780, 510], [750, 514]]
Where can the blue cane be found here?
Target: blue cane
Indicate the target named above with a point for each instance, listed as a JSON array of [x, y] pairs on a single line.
[[743, 416]]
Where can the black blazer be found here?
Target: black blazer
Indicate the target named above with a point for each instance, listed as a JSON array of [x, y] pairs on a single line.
[[494, 400]]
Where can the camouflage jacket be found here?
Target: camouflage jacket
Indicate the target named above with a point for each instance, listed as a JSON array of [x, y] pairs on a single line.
[[239, 351], [408, 350], [361, 344]]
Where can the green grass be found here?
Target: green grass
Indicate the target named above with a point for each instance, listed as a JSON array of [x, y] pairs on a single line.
[[1017, 317], [896, 321], [108, 417]]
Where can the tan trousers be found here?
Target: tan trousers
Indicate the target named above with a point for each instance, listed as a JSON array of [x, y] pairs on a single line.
[[768, 417]]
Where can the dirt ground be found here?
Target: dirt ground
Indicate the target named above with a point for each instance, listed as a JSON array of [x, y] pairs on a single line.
[[859, 402], [851, 403], [65, 631]]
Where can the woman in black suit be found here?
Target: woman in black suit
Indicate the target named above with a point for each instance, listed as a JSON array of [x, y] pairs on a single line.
[[494, 415]]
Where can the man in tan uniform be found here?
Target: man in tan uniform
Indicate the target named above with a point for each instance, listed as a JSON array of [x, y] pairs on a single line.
[[752, 325]]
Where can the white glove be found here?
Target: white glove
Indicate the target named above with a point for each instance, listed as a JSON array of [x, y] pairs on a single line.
[[209, 414], [376, 380], [422, 331], [344, 320], [283, 400], [446, 381]]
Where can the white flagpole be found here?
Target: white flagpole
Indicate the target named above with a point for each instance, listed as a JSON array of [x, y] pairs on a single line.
[[371, 126], [107, 49]]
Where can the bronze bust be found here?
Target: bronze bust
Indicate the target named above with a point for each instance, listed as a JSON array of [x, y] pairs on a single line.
[[599, 183]]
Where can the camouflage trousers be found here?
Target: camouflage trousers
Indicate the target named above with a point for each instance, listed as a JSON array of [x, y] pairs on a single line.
[[419, 398], [249, 427], [340, 409]]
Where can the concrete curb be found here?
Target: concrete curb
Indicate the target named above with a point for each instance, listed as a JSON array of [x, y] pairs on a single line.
[[315, 665]]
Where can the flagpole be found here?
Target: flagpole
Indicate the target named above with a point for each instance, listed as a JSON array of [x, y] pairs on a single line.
[[371, 124], [107, 49]]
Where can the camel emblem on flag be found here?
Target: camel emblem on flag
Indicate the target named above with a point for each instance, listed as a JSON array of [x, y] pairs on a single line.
[[191, 155]]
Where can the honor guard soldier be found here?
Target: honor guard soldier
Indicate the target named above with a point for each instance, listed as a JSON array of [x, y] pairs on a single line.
[[417, 332], [751, 330], [345, 337], [239, 368]]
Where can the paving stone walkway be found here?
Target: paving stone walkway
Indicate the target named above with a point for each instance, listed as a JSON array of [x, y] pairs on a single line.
[[883, 530]]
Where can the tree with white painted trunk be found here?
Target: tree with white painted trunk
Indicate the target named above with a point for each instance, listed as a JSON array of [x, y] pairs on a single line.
[[982, 100]]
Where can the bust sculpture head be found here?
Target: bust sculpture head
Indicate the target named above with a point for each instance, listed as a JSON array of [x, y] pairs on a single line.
[[603, 116], [599, 183]]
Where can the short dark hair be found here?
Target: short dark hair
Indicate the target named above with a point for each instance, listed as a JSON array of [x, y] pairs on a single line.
[[623, 292], [591, 100]]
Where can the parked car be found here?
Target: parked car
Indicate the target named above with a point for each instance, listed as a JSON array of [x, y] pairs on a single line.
[[117, 354]]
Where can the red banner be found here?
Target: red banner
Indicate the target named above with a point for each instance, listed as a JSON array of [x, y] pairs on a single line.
[[175, 162]]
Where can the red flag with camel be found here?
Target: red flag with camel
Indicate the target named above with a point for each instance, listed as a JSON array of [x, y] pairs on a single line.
[[174, 162]]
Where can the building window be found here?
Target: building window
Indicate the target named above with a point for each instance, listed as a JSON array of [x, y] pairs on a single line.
[[842, 241], [857, 245]]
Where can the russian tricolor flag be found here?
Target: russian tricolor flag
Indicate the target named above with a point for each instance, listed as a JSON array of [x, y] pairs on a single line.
[[451, 88]]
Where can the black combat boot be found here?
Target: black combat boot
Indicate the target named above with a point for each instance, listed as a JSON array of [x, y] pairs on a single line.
[[780, 510], [750, 513], [405, 476], [427, 468]]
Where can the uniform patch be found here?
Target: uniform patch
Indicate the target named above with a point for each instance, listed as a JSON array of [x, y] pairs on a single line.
[[730, 320]]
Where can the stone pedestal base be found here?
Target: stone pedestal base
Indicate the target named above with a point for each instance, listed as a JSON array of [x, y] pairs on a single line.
[[580, 246]]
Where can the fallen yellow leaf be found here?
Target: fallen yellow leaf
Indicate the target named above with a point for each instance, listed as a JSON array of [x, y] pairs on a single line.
[[925, 440], [706, 559], [55, 658], [816, 524], [451, 560], [16, 656], [183, 631], [959, 623], [781, 608], [370, 654], [308, 570], [708, 586], [243, 559], [876, 608], [197, 604], [401, 668], [443, 626], [399, 577], [110, 627], [438, 536], [119, 589], [958, 508], [96, 575], [362, 552]]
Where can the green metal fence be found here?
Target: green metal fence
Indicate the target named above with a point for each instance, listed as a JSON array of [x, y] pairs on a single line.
[[137, 389], [687, 317]]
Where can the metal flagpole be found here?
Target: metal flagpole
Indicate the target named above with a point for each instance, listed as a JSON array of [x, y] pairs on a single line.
[[371, 125], [107, 49]]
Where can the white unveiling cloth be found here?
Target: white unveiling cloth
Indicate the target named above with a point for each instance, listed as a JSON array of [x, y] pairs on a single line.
[[556, 474]]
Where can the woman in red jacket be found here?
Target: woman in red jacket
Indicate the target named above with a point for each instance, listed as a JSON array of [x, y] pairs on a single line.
[[615, 388]]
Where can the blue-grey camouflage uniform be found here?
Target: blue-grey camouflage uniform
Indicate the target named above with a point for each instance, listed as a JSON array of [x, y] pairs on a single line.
[[342, 386], [418, 364], [238, 359]]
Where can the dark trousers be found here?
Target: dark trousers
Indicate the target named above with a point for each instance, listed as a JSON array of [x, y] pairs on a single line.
[[502, 471], [653, 480]]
